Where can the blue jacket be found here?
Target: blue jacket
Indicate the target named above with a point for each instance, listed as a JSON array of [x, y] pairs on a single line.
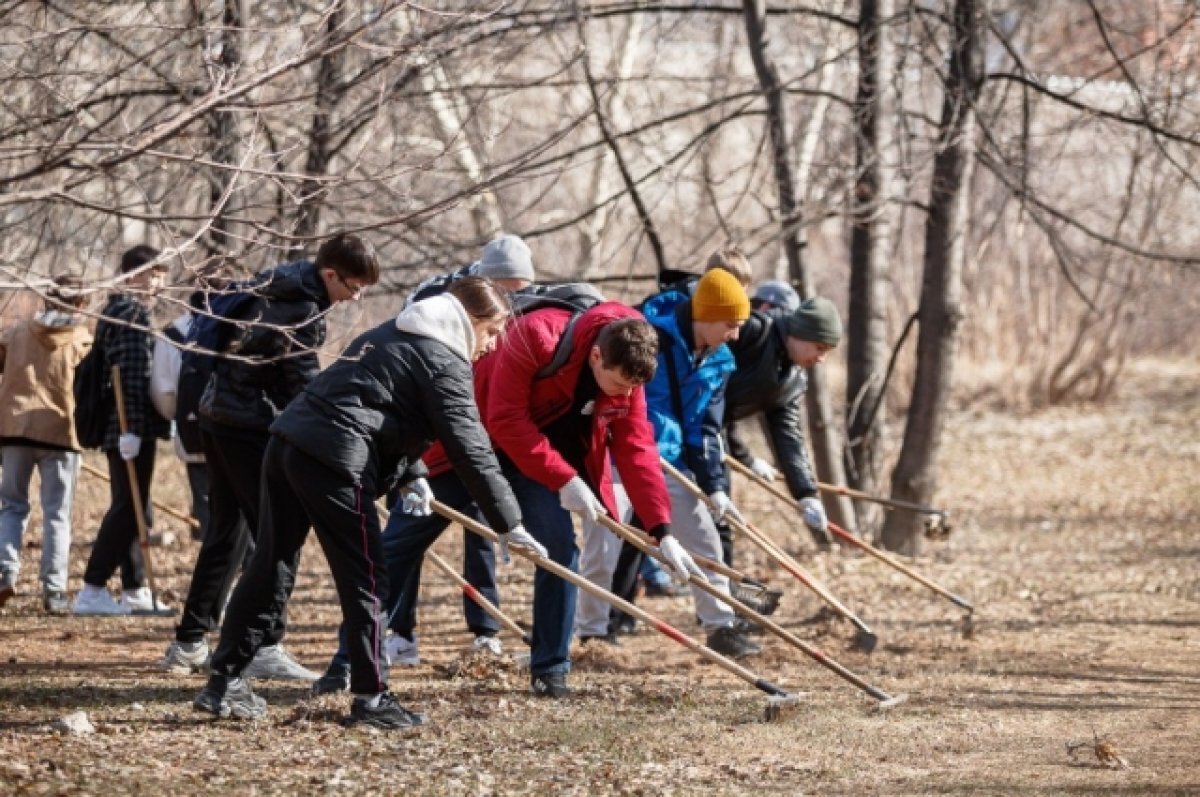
[[691, 442]]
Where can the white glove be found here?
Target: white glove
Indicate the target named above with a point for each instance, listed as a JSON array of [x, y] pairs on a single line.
[[520, 538], [722, 506], [576, 496], [129, 445], [417, 498], [814, 514], [681, 562], [763, 470]]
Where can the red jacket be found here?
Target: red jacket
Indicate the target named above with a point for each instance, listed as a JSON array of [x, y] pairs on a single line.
[[515, 407]]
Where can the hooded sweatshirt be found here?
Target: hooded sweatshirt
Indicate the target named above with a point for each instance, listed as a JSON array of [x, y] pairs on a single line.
[[396, 389], [37, 402]]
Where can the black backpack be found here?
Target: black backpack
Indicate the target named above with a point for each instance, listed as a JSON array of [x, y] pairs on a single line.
[[210, 331], [575, 297], [93, 395]]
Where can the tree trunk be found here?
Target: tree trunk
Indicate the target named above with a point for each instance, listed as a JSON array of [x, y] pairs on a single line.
[[224, 57], [329, 71], [939, 315], [827, 452], [870, 245]]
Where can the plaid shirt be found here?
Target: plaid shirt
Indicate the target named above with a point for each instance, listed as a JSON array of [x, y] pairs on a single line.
[[128, 345]]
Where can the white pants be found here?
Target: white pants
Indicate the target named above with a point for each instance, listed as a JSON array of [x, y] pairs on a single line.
[[597, 563], [691, 524]]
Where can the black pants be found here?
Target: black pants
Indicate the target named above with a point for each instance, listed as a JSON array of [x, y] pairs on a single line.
[[299, 493], [197, 476], [233, 459], [624, 581], [725, 532], [117, 540]]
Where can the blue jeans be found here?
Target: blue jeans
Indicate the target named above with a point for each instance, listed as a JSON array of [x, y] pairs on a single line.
[[58, 470], [407, 537]]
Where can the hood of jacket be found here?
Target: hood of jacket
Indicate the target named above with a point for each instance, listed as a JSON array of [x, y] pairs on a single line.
[[58, 330], [442, 318], [294, 282]]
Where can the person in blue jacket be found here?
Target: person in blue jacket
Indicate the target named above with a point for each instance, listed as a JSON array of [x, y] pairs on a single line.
[[686, 405]]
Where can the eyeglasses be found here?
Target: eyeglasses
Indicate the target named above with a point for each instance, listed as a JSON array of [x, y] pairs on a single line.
[[355, 290]]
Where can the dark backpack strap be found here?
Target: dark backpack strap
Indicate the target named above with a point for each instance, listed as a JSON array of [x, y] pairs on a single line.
[[562, 351], [666, 345], [173, 334]]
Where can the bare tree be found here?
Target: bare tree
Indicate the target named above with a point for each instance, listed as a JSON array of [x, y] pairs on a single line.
[[915, 476], [870, 254]]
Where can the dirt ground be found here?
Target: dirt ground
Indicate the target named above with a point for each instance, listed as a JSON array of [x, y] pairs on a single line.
[[1077, 535]]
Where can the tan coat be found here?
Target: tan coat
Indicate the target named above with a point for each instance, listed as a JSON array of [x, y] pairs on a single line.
[[37, 401]]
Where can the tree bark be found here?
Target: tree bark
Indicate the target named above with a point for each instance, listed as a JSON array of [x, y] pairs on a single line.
[[870, 250], [224, 57], [329, 72], [939, 315], [826, 443]]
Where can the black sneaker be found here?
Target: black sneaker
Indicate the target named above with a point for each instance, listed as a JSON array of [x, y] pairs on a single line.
[[389, 714], [764, 601], [230, 697], [609, 639], [728, 641], [623, 624], [336, 679], [55, 602], [746, 626], [551, 684]]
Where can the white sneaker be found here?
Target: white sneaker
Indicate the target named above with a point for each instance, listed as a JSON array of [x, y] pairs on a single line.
[[490, 644], [399, 651], [185, 658], [142, 601], [97, 601], [273, 663]]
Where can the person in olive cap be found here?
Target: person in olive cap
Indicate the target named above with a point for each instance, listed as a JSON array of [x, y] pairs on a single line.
[[771, 352]]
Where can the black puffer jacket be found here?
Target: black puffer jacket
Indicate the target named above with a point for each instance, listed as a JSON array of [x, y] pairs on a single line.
[[287, 327], [766, 381], [373, 413]]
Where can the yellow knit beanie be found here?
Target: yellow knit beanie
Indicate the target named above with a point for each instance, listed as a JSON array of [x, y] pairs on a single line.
[[720, 297]]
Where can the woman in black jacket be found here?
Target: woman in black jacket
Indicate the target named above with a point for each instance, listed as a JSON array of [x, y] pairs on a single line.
[[356, 431]]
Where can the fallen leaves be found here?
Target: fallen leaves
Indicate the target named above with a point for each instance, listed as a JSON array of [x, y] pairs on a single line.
[[1103, 748]]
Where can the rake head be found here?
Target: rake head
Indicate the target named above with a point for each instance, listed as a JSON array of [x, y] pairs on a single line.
[[865, 641], [890, 703], [938, 527], [968, 625], [781, 706]]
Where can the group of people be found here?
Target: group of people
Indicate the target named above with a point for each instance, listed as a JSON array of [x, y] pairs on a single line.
[[524, 421]]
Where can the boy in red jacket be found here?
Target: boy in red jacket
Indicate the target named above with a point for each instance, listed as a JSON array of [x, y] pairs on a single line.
[[555, 434]]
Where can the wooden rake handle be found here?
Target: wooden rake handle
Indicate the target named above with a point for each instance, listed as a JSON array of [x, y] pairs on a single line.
[[582, 583], [468, 589], [139, 511], [641, 541], [777, 554], [854, 540]]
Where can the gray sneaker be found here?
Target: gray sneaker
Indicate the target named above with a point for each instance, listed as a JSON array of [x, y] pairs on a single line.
[[274, 663], [230, 697], [185, 658]]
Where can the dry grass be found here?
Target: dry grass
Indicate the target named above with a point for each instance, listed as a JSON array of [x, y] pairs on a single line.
[[1076, 537]]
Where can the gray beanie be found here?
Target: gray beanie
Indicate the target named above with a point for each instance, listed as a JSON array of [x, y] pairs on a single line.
[[777, 293], [507, 257], [816, 320]]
